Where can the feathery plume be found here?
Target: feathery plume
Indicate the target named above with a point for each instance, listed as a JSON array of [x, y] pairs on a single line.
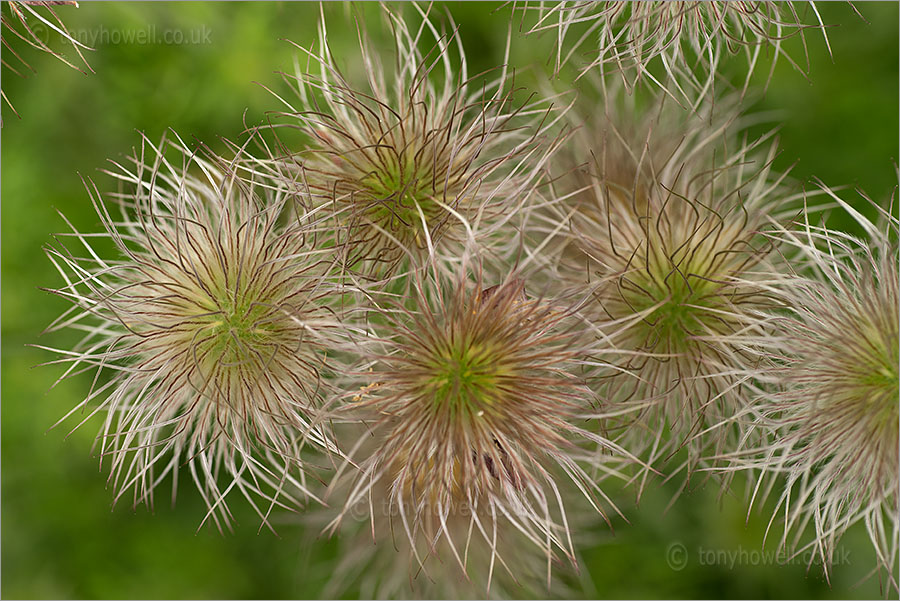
[[687, 39], [472, 411], [24, 21], [665, 244], [414, 153], [208, 335], [830, 404]]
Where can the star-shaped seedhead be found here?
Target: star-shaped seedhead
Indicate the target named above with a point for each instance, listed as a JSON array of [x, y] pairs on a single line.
[[209, 333], [828, 403], [414, 154], [475, 421], [664, 241]]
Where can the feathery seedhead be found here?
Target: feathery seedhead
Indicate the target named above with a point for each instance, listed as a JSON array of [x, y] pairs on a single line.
[[414, 153], [665, 242], [208, 335], [475, 404], [830, 405], [687, 39]]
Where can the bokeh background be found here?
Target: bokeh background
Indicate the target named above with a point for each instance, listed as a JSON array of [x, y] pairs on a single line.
[[60, 536]]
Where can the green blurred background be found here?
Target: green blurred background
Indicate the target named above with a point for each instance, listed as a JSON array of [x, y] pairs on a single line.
[[59, 536]]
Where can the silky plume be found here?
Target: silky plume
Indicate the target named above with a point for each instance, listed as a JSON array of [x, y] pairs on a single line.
[[208, 334]]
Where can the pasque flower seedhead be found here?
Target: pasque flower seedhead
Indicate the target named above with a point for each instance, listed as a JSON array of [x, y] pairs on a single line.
[[665, 243], [208, 333], [412, 153], [473, 412], [829, 403]]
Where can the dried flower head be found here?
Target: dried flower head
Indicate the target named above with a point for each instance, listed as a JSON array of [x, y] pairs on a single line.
[[474, 406], [665, 243], [208, 334], [412, 152], [686, 39], [830, 405]]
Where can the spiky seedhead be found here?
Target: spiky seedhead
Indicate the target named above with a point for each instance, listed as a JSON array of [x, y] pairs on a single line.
[[675, 45], [208, 334], [830, 405], [413, 152], [665, 243], [475, 405]]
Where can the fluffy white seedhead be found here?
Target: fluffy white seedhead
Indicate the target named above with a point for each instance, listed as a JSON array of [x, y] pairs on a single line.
[[474, 423], [830, 402], [409, 155], [208, 332], [664, 244], [675, 45]]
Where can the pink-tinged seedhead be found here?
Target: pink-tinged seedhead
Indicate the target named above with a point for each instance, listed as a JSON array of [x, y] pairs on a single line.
[[476, 425], [411, 154], [829, 404], [208, 333], [665, 243]]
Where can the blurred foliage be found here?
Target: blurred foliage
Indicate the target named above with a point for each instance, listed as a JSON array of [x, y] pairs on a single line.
[[59, 537]]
